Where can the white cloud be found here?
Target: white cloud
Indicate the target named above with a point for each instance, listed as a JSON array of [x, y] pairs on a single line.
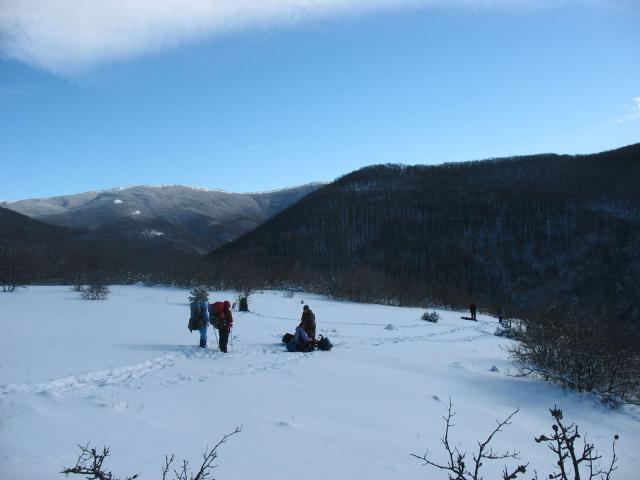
[[633, 111], [67, 36]]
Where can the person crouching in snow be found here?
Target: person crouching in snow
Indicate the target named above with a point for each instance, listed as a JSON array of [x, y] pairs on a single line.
[[226, 323], [301, 342]]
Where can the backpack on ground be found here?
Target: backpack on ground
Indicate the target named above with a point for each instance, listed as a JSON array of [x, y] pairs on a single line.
[[287, 337], [324, 344], [216, 314], [195, 317]]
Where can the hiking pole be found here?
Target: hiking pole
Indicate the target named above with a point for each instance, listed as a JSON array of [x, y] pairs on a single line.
[[215, 330]]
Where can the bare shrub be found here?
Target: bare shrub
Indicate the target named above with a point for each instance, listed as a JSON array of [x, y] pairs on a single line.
[[243, 292], [432, 317], [90, 463], [573, 462], [95, 291], [458, 467], [581, 350]]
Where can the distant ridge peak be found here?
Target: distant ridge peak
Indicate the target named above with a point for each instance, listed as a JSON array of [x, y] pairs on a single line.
[[284, 189], [170, 185]]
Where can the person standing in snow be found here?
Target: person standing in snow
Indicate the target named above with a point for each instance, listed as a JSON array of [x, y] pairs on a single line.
[[308, 322], [204, 313], [225, 325], [473, 308]]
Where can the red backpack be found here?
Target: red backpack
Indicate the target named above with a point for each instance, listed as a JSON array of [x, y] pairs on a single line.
[[216, 314]]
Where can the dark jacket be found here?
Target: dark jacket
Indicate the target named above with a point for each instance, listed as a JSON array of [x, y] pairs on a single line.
[[309, 323]]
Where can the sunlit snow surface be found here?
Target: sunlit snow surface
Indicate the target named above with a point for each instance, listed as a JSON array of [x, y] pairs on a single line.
[[126, 373]]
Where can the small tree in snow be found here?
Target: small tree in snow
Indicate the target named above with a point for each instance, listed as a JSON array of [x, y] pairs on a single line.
[[199, 295], [243, 278], [242, 294]]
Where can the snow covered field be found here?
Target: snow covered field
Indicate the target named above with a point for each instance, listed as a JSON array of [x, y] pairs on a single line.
[[126, 373]]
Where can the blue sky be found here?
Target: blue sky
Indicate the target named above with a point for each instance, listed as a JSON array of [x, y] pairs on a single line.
[[289, 96]]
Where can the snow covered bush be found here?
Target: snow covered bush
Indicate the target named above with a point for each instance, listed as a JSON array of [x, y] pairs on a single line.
[[432, 317], [95, 291], [506, 331], [198, 295]]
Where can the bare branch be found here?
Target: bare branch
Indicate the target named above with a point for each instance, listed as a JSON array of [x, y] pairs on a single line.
[[167, 465], [477, 459], [90, 463]]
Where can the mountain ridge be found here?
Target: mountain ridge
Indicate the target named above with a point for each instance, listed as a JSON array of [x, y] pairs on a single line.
[[523, 231], [193, 218]]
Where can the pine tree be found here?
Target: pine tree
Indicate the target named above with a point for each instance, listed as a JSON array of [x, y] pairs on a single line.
[[199, 295]]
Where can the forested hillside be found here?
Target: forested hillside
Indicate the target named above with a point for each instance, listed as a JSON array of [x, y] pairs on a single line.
[[33, 252], [518, 233]]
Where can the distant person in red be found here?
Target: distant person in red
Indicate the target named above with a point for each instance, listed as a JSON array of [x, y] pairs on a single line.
[[226, 323], [473, 309]]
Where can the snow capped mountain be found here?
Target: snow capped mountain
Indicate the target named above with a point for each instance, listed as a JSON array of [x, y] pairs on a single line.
[[197, 219]]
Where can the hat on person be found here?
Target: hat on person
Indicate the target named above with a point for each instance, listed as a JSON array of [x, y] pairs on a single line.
[[306, 307]]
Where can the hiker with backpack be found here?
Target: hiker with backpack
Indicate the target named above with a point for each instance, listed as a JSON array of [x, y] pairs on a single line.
[[222, 319], [199, 320], [308, 322]]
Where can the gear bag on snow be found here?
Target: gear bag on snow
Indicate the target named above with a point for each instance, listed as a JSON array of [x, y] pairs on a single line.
[[196, 321], [324, 344], [216, 314]]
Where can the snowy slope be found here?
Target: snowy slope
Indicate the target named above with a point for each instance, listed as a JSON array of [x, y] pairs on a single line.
[[126, 373]]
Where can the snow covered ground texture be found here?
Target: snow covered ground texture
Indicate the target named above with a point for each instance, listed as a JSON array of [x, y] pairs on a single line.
[[127, 373]]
